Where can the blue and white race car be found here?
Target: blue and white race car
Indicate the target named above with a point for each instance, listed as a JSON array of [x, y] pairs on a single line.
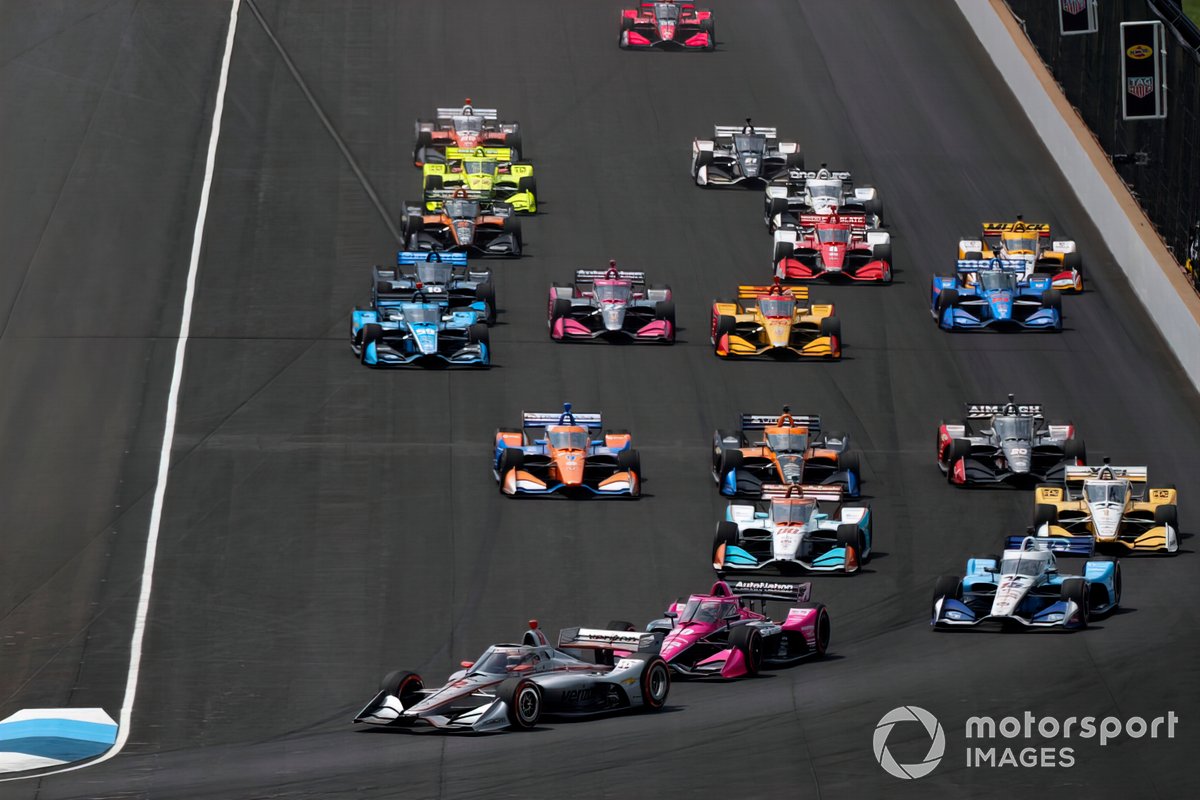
[[1025, 590], [435, 315], [791, 529], [994, 293]]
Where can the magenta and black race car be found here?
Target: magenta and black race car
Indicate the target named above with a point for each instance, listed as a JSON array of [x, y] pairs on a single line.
[[612, 305], [667, 25], [720, 635]]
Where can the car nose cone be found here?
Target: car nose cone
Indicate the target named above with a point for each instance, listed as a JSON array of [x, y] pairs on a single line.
[[614, 317]]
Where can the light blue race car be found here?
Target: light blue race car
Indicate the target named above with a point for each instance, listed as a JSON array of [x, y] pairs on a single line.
[[993, 294], [1025, 590]]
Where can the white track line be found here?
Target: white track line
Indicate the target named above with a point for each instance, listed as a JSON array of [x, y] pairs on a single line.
[[164, 460]]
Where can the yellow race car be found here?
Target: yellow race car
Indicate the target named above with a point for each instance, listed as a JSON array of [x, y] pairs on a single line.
[[490, 171], [777, 322], [1107, 505], [1029, 242]]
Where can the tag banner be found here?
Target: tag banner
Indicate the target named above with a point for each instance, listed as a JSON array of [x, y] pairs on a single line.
[[1143, 56]]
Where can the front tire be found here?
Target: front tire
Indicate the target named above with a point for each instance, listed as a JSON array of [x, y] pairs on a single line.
[[404, 686], [523, 699], [748, 641], [1076, 590], [656, 683]]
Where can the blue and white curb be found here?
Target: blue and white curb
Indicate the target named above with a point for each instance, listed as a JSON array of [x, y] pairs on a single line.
[[36, 738]]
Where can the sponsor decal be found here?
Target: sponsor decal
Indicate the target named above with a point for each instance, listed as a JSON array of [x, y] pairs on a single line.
[[1140, 87], [1139, 52]]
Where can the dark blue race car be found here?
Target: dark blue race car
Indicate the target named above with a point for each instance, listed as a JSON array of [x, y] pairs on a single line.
[[994, 294]]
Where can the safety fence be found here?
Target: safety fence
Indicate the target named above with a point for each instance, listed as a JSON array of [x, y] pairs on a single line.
[[1158, 159]]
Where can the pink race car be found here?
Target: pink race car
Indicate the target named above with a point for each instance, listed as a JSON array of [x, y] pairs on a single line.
[[833, 246], [719, 634], [611, 304]]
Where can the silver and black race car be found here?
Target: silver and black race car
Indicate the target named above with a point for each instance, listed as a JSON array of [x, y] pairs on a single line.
[[514, 685], [745, 153], [822, 192], [1006, 443]]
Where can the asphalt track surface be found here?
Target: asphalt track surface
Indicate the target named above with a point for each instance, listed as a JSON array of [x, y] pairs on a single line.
[[326, 523]]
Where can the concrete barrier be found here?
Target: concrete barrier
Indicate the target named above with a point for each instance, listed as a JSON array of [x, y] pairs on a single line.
[[1139, 251]]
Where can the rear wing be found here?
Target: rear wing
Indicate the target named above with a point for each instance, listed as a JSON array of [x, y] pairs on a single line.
[[595, 639], [1079, 474], [448, 114], [1069, 545], [407, 258], [756, 422], [1042, 229], [772, 590], [748, 292], [857, 222], [498, 153], [985, 264], [988, 410], [460, 193], [727, 131], [830, 493], [592, 275], [800, 175], [540, 419]]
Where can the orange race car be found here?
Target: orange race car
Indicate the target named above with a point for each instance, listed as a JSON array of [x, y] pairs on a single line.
[[565, 453], [467, 127], [462, 221], [781, 323], [771, 452]]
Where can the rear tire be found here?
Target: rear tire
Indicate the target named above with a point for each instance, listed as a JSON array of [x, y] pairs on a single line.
[[523, 699]]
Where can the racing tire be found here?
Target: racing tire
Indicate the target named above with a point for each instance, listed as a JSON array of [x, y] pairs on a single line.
[[1051, 298], [513, 142], [478, 334], [412, 224], [1073, 449], [486, 293], [1116, 599], [510, 458], [433, 182], [725, 324], [1044, 514], [959, 448], [626, 23], [848, 462], [821, 630], [831, 326], [730, 459], [1072, 261], [630, 460], [795, 160], [748, 641], [972, 255], [875, 206], [947, 586], [528, 184], [512, 225], [727, 534], [559, 309], [850, 536], [1076, 589], [656, 683], [404, 686], [424, 137], [703, 158], [1167, 514], [523, 700], [782, 250], [665, 309], [946, 299], [371, 332]]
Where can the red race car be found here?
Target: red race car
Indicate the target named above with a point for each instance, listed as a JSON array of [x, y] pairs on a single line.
[[678, 25], [833, 246], [466, 128]]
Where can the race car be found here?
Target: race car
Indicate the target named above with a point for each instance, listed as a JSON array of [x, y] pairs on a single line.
[[1108, 506], [792, 530], [491, 171], [993, 295], [738, 154], [1029, 243], [784, 450], [678, 25], [779, 323], [1026, 590], [419, 331], [832, 246], [464, 127], [720, 635], [1006, 443], [822, 192], [513, 686], [556, 453], [444, 278], [464, 221], [611, 304]]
